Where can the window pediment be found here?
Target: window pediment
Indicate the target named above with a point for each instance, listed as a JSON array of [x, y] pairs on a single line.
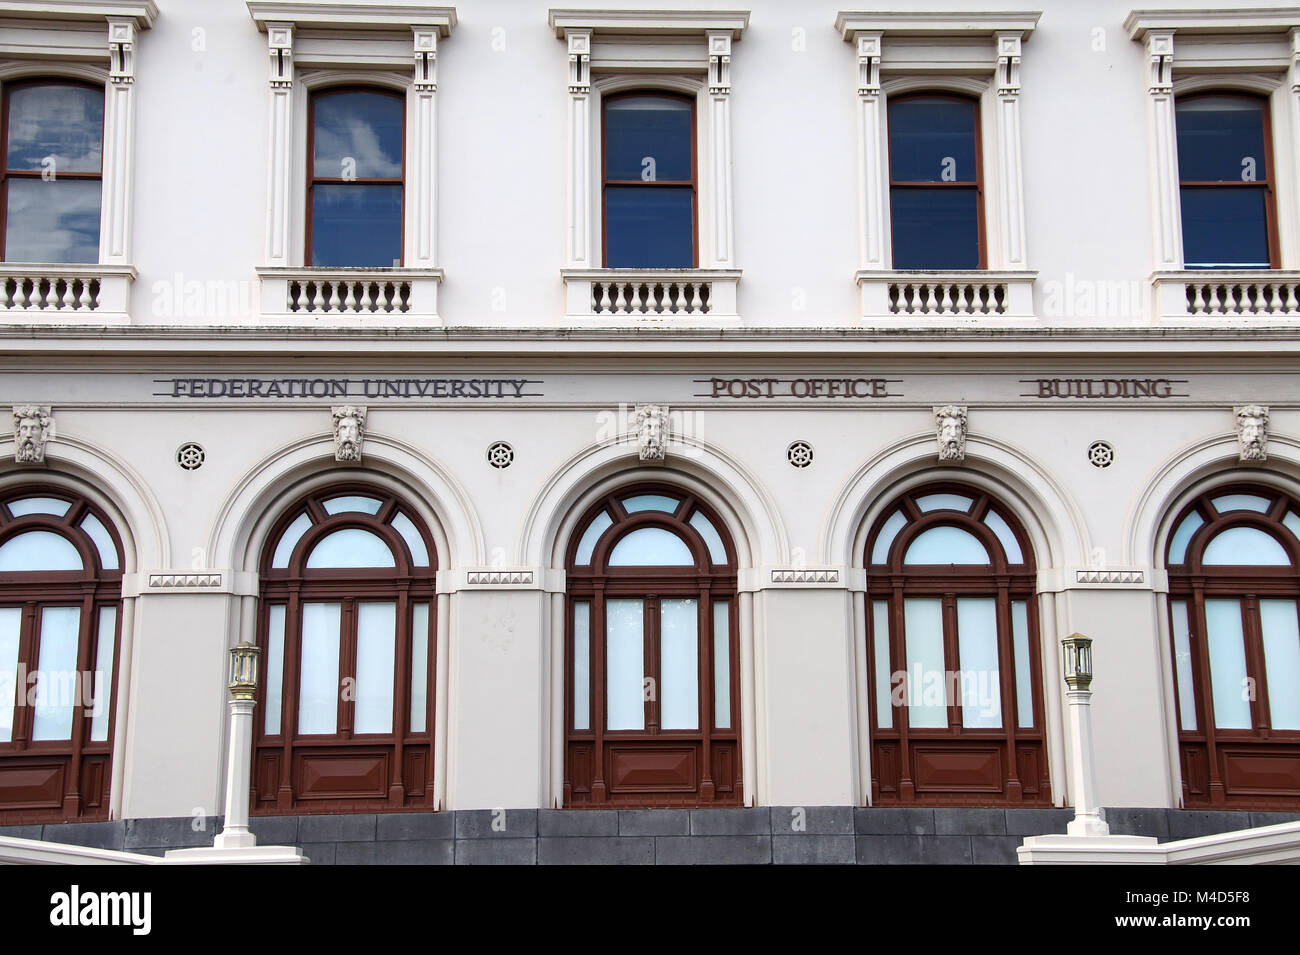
[[71, 29], [350, 35], [1241, 40]]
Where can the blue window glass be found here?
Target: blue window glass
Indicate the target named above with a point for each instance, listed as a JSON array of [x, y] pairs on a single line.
[[649, 182], [1221, 139], [649, 228], [356, 200], [1226, 190], [648, 138], [932, 139], [357, 225], [53, 160], [935, 228], [1224, 228], [934, 177]]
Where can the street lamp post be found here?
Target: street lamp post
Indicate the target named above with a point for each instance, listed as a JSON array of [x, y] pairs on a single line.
[[243, 689], [1087, 819]]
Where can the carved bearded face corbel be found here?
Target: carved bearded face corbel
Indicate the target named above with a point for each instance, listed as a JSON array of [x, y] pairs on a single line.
[[1252, 433], [950, 429], [32, 431], [349, 432], [651, 423]]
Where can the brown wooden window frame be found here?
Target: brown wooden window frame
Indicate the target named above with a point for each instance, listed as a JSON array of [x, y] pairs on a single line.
[[938, 766], [313, 180], [693, 182], [7, 174], [1211, 757], [597, 758], [79, 768], [401, 762], [1268, 184], [978, 183]]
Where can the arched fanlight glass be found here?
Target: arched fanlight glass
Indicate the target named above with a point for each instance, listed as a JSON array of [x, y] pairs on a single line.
[[39, 550], [350, 547], [651, 547], [1247, 547], [946, 545]]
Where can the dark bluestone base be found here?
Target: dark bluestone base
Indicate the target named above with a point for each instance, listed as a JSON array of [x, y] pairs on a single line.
[[784, 835]]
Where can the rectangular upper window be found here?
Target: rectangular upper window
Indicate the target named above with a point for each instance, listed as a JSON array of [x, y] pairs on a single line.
[[1225, 169], [356, 179], [934, 182], [649, 185], [51, 180]]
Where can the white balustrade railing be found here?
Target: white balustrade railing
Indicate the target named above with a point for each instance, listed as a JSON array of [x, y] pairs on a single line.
[[1227, 293], [947, 298], [979, 294], [338, 293], [653, 293], [64, 291]]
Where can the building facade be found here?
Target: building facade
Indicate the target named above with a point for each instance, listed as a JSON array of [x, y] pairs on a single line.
[[713, 416]]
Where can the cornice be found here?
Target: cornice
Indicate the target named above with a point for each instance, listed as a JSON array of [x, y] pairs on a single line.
[[933, 24], [1253, 20], [352, 16], [141, 12], [660, 22]]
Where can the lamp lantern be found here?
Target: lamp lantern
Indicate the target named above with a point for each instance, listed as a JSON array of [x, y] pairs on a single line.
[[243, 671], [1078, 661]]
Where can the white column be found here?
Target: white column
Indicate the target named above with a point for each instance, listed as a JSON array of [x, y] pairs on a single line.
[[721, 229], [235, 834], [873, 197], [578, 187], [558, 672], [119, 140], [1087, 819], [1053, 707], [1164, 152], [1010, 172], [421, 193], [748, 708], [1289, 249], [279, 176]]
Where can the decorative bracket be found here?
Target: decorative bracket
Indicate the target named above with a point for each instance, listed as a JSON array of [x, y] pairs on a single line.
[[279, 39], [1294, 37], [121, 52], [426, 59], [1008, 63], [579, 61], [719, 63], [1160, 53], [869, 49]]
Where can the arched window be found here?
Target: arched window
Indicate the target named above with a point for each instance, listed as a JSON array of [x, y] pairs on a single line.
[[1234, 588], [53, 159], [60, 608], [347, 627], [355, 179], [649, 181], [952, 640], [1225, 172], [651, 706], [935, 189]]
